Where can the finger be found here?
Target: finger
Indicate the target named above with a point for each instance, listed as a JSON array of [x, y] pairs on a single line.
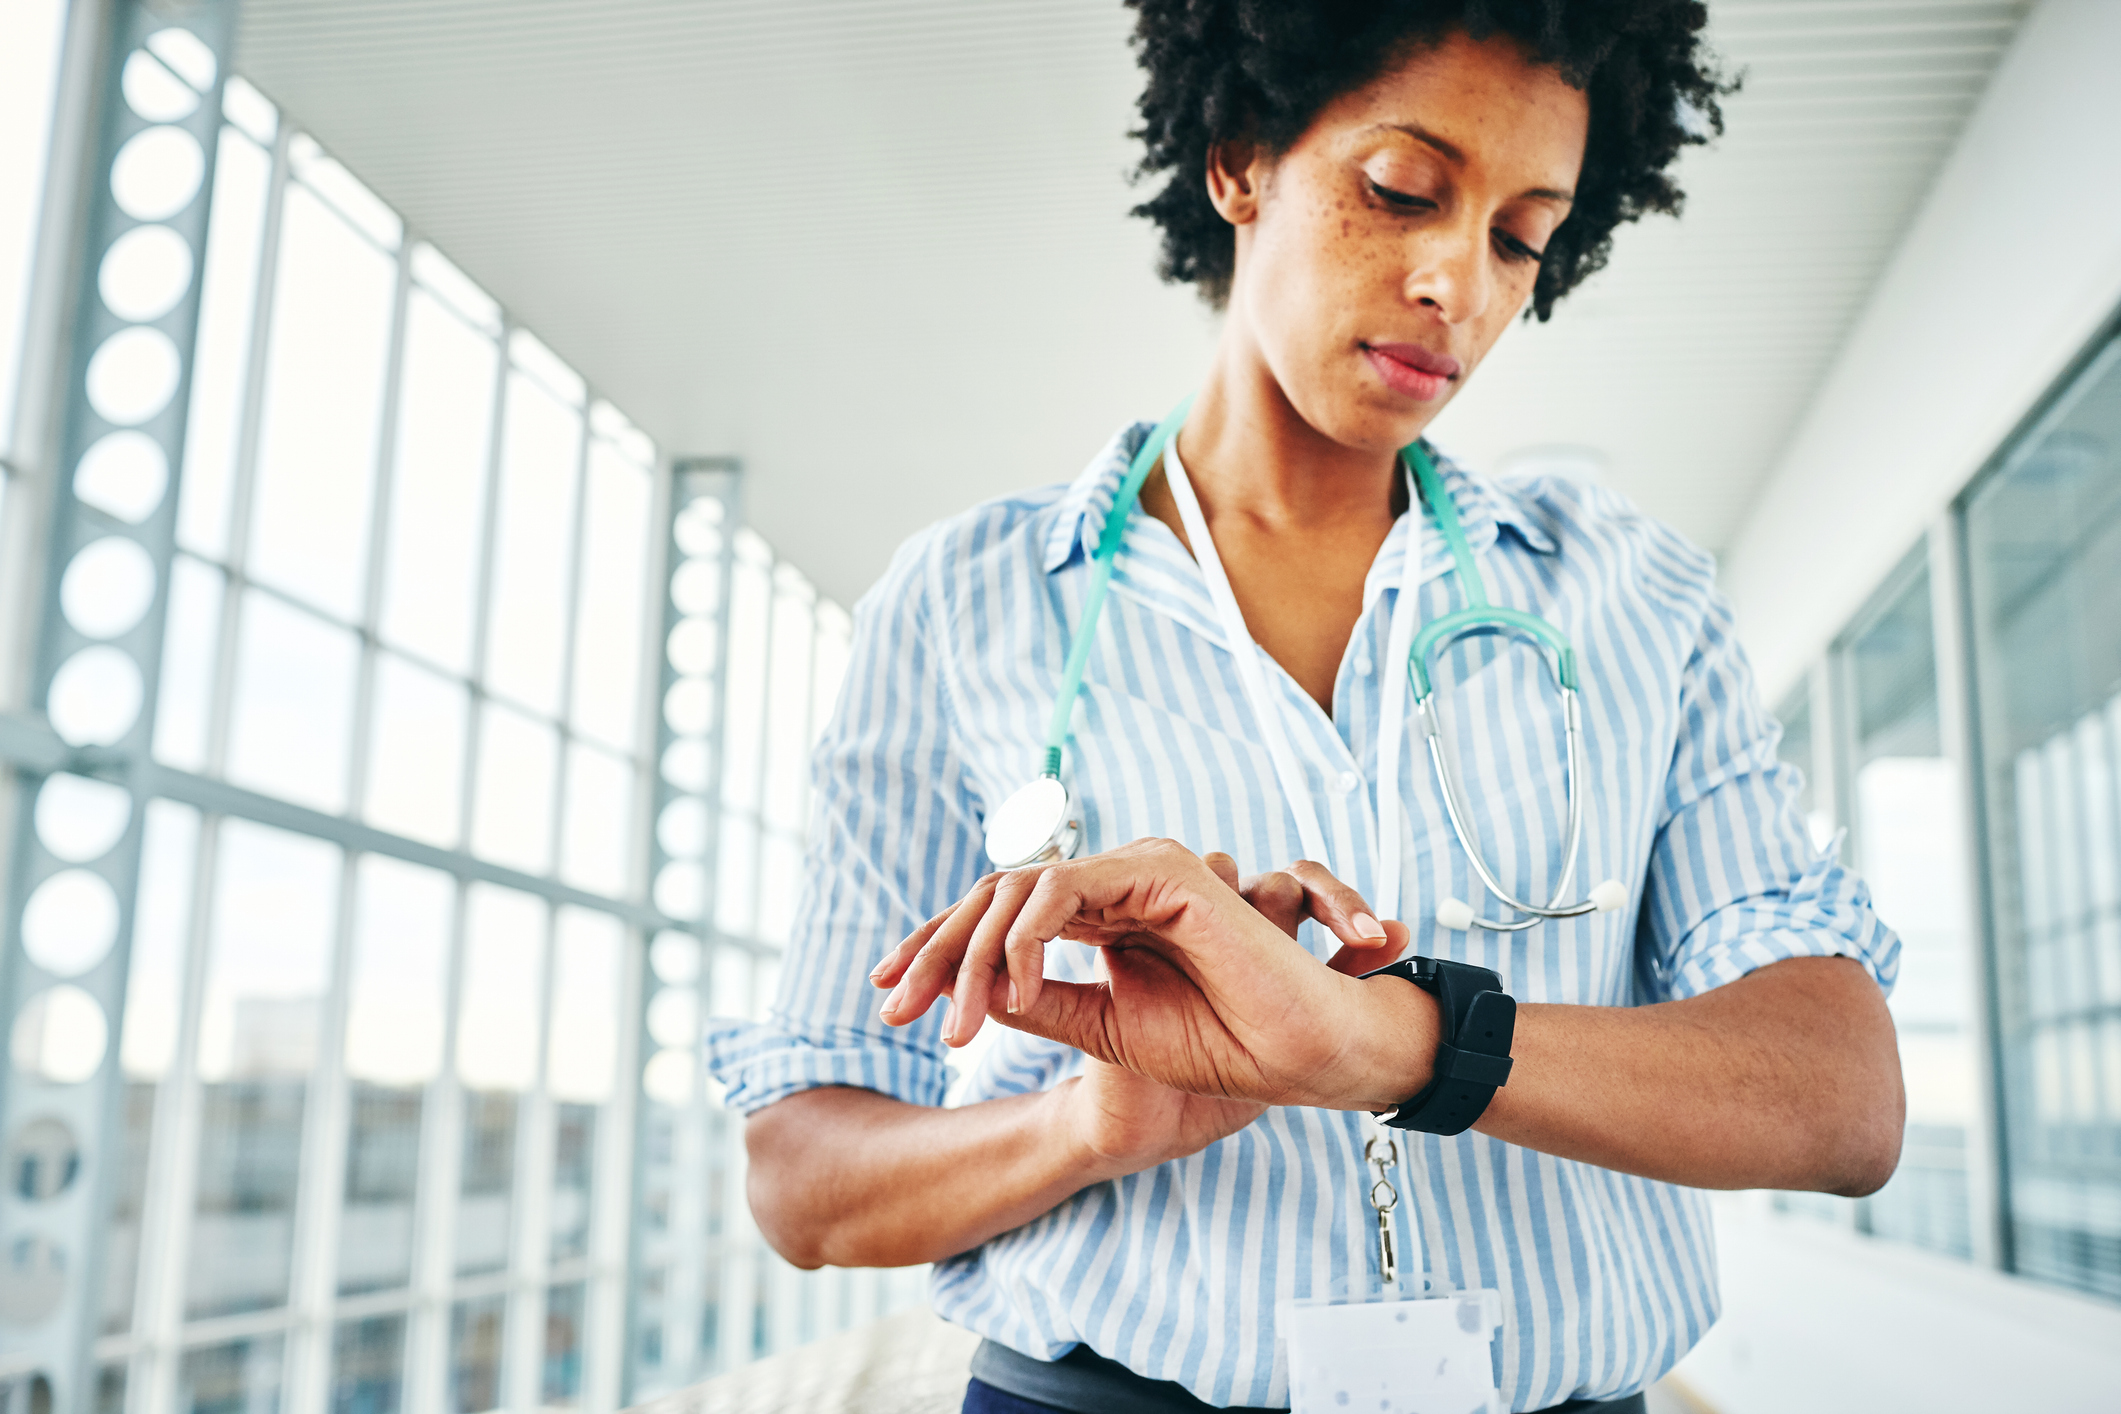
[[1278, 896], [985, 956], [1105, 895], [1073, 1013], [1224, 866], [1026, 961], [1356, 961], [887, 972], [1339, 908], [934, 963]]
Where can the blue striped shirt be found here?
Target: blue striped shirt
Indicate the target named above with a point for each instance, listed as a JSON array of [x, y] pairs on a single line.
[[1606, 1279]]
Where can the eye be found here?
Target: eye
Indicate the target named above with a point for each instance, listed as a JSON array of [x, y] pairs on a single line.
[[1399, 200], [1516, 251]]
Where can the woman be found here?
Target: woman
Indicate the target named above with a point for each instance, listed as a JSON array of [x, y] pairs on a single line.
[[1370, 192]]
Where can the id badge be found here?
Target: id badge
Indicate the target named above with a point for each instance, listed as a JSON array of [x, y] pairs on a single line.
[[1394, 1357]]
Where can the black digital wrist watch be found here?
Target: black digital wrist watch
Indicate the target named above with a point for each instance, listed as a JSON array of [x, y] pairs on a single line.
[[1473, 1053]]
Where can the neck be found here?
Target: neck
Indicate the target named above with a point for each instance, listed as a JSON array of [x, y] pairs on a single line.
[[1248, 450]]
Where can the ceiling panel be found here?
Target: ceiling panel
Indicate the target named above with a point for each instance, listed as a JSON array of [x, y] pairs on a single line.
[[879, 250]]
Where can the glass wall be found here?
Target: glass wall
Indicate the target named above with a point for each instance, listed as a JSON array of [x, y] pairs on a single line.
[[372, 1105], [409, 1055], [2010, 918], [2043, 537]]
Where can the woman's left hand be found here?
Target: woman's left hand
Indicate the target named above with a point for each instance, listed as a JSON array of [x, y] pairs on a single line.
[[1207, 993]]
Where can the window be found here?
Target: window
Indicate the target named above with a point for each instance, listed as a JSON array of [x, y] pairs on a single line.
[[2043, 537], [379, 1045], [1908, 837], [2029, 1148], [411, 593]]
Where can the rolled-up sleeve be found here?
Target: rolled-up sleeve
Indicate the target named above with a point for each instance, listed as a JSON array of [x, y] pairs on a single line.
[[1734, 881], [893, 839]]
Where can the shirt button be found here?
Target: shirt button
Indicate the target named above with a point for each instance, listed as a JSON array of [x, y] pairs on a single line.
[[1364, 666], [1347, 781]]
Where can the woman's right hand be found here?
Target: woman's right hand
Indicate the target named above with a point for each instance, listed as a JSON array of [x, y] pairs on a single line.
[[1125, 1123]]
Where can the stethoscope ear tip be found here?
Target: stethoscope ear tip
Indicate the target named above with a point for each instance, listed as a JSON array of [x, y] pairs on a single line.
[[1454, 915], [1609, 896]]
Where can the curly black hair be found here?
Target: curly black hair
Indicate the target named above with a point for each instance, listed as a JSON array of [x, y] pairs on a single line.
[[1263, 69]]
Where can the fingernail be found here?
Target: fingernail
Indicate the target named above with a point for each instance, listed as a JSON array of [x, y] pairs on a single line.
[[1368, 927], [950, 1020], [891, 1002], [1013, 1004]]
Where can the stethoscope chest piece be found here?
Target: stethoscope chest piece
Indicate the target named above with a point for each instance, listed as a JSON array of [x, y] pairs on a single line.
[[1035, 825]]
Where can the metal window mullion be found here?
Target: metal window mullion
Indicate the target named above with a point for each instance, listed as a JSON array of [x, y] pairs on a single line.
[[734, 1314], [242, 494], [322, 1165], [426, 1367], [696, 1130], [385, 488], [482, 614], [605, 1352], [530, 1244], [648, 712], [220, 797], [171, 1193], [320, 1178], [43, 393], [758, 764], [570, 633], [607, 1344], [442, 1127], [1952, 618], [780, 1283]]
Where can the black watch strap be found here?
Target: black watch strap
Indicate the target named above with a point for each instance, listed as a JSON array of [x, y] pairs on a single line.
[[1472, 1058]]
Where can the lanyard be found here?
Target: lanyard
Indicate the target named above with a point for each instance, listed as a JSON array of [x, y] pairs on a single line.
[[1266, 707], [1381, 1149]]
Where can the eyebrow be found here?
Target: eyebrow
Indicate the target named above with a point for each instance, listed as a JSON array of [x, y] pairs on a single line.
[[1424, 136]]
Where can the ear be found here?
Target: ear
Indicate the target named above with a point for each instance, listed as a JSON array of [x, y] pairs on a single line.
[[1236, 174]]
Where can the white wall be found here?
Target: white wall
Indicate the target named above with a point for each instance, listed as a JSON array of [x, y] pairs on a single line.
[[1825, 1321], [2011, 265]]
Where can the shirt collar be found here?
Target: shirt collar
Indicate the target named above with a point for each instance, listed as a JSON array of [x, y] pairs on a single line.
[[1484, 507]]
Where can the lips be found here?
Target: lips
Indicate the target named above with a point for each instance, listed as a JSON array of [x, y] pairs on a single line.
[[1412, 370]]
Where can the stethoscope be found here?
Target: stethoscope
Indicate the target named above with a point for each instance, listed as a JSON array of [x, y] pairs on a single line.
[[1039, 822]]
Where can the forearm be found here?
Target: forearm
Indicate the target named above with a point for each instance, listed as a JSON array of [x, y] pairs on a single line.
[[1786, 1078], [852, 1178]]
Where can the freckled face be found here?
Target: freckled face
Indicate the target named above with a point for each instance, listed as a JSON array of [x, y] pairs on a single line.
[[1387, 250]]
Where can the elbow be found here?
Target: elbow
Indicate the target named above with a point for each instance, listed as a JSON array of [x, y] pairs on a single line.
[[1869, 1141], [797, 1243], [775, 1195], [1866, 1167]]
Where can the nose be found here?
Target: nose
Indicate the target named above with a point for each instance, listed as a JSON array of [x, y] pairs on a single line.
[[1450, 272]]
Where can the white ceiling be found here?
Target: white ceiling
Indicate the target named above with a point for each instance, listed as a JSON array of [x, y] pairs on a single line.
[[879, 249]]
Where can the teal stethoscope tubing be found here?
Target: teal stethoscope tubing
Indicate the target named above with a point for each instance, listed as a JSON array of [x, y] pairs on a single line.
[[1130, 490], [1479, 616]]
